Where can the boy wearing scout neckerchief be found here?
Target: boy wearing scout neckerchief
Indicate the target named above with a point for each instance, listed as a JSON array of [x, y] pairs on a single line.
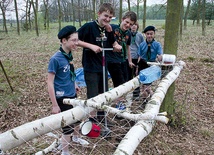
[[116, 62], [61, 82], [149, 51]]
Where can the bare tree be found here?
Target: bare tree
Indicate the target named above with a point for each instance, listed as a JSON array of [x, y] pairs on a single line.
[[17, 17], [209, 13], [171, 45], [121, 11], [137, 4], [94, 9], [60, 15], [186, 14], [46, 17], [181, 20], [129, 5], [79, 14], [27, 24], [26, 16], [144, 14], [35, 10], [3, 6], [203, 17], [198, 12], [72, 4]]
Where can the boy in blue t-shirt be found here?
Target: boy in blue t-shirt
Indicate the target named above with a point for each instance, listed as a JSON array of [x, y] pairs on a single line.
[[61, 82], [136, 40], [149, 51]]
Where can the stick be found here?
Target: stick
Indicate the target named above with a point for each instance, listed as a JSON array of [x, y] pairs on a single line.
[[160, 64], [6, 76], [107, 49], [107, 130]]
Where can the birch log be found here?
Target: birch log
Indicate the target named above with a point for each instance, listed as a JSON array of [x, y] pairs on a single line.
[[142, 128], [19, 135]]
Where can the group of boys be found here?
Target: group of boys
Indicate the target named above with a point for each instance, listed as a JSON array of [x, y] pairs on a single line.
[[93, 37]]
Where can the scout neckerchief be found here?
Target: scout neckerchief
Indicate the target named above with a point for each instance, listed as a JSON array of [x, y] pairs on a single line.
[[122, 37], [149, 50], [102, 33], [69, 57], [133, 37]]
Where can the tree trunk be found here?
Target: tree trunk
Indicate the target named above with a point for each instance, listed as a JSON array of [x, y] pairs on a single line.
[[29, 15], [121, 11], [19, 135], [73, 10], [186, 15], [17, 17], [181, 21], [35, 10], [129, 5], [94, 9], [4, 7], [171, 45], [46, 18], [4, 22], [138, 6], [203, 17], [26, 15], [60, 15], [198, 12], [79, 15], [144, 14]]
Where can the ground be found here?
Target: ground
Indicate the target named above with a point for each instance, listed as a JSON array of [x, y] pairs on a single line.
[[25, 62]]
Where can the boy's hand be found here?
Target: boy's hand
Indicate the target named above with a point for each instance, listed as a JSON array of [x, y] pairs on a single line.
[[96, 48], [108, 28], [117, 47], [131, 65], [56, 109], [159, 58]]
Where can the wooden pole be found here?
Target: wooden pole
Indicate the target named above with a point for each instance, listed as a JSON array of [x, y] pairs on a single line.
[[6, 76]]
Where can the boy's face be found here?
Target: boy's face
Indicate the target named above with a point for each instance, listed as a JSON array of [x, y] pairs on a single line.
[[104, 18], [150, 35], [72, 42], [126, 24], [134, 28]]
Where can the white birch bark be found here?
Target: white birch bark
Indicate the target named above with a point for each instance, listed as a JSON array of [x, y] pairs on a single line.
[[19, 135], [50, 148], [142, 128]]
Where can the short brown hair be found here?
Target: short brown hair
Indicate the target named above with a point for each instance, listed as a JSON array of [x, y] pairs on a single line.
[[106, 7], [130, 14]]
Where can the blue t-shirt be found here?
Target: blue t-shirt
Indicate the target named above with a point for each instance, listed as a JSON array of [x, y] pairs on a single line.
[[121, 37], [63, 85], [91, 33], [136, 40], [156, 49]]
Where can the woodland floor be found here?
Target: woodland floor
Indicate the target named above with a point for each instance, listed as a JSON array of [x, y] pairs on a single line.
[[26, 59]]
